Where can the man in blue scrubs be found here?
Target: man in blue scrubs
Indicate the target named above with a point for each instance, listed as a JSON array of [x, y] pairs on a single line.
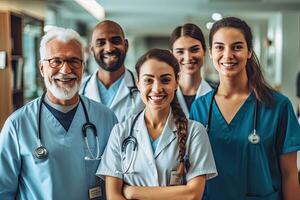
[[112, 84], [54, 123]]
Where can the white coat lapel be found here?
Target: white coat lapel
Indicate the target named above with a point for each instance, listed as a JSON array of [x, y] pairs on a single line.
[[92, 91], [123, 90], [142, 137], [204, 87], [168, 135], [182, 102]]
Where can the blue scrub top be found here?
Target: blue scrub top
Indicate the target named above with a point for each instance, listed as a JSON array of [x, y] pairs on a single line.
[[248, 171], [65, 174], [107, 95]]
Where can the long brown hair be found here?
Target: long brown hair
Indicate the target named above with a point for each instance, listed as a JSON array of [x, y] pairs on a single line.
[[189, 29], [179, 117], [256, 81]]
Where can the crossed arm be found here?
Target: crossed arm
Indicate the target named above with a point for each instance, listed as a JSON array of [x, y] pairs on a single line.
[[117, 191]]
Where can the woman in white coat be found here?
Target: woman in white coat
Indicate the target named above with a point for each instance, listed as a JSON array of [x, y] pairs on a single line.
[[188, 46], [157, 154]]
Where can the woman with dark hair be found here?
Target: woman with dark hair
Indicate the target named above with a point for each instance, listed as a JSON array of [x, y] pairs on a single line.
[[188, 46], [159, 147], [253, 130]]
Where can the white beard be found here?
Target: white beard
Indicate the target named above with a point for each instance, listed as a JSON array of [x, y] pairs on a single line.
[[63, 93]]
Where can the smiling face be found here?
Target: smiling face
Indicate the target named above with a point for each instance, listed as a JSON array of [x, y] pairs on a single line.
[[109, 46], [189, 54], [62, 83], [157, 83], [229, 52]]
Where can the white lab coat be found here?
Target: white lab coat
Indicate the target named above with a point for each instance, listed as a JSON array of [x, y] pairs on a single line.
[[154, 169], [65, 174], [204, 87], [125, 104]]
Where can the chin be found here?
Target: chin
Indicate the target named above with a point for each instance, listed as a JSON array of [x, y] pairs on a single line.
[[62, 93]]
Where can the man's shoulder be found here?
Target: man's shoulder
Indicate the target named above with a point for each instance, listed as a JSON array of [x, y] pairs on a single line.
[[25, 111]]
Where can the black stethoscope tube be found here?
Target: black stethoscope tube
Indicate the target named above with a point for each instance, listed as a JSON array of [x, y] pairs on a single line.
[[253, 137], [42, 153]]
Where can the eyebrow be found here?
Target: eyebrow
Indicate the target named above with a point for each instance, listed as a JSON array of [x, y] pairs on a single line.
[[197, 45], [238, 42], [161, 76]]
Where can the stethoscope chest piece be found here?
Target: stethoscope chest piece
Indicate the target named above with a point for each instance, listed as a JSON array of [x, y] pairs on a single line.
[[254, 138], [41, 152]]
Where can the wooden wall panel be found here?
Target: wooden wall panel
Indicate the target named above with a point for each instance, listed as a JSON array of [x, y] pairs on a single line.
[[5, 74]]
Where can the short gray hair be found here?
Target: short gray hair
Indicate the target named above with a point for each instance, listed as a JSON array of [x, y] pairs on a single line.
[[61, 34]]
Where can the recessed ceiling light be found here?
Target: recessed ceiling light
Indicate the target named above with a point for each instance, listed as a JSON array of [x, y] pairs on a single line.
[[216, 16]]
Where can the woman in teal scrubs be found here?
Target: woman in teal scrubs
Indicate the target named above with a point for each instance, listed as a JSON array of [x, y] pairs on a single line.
[[260, 166]]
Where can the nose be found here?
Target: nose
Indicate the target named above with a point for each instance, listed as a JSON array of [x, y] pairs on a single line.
[[157, 87], [108, 47], [187, 56], [228, 53], [65, 69]]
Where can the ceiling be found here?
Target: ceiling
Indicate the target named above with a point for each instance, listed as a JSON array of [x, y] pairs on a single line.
[[160, 16]]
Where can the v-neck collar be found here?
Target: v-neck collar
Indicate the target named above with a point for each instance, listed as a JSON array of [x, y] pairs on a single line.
[[56, 124], [167, 136], [242, 111]]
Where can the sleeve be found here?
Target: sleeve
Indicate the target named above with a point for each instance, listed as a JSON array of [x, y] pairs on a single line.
[[10, 162], [288, 131], [198, 112], [111, 163], [192, 111], [200, 154]]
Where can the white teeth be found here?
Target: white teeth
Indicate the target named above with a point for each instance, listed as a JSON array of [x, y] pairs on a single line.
[[228, 64], [156, 97], [64, 80]]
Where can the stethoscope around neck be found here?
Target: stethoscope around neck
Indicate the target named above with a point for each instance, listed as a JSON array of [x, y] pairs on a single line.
[[253, 137], [41, 151], [133, 141]]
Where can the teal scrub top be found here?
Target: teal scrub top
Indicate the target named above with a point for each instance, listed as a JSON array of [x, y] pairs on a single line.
[[65, 174], [246, 170]]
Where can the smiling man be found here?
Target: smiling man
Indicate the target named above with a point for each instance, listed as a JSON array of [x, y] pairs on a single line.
[[112, 84], [51, 147]]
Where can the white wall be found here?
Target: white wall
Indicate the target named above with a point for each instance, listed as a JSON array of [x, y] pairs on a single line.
[[290, 65]]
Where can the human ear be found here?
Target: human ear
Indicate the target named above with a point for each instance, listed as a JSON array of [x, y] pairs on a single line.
[[41, 68]]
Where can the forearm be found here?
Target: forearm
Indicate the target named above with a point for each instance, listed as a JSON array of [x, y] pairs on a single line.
[[169, 192], [289, 173], [114, 188], [290, 188], [190, 191], [115, 196]]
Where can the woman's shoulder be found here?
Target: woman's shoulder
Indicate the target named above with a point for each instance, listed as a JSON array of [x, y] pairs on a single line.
[[126, 125], [195, 127], [280, 99]]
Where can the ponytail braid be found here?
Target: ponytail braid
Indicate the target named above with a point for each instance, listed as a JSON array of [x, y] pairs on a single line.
[[181, 123]]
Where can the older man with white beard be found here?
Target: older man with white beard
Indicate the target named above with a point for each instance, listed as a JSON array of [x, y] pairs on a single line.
[[51, 147]]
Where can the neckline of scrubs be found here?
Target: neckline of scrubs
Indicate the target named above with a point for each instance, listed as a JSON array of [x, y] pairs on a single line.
[[242, 111], [51, 119]]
